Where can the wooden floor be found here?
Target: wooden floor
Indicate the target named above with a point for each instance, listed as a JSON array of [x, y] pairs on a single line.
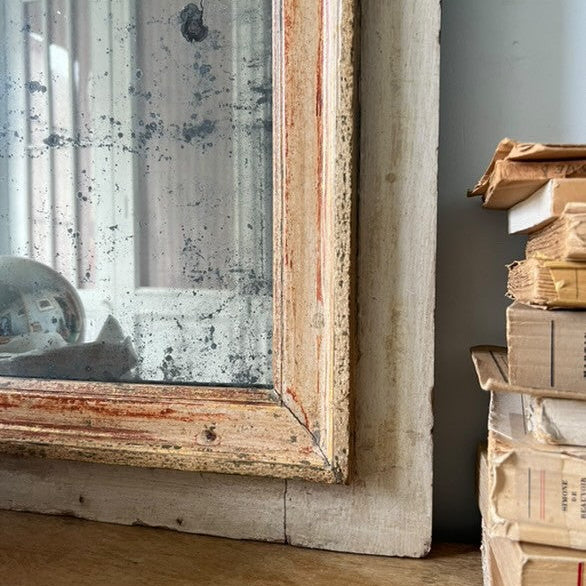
[[42, 550]]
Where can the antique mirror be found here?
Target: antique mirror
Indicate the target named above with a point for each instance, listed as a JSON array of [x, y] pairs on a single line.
[[176, 233]]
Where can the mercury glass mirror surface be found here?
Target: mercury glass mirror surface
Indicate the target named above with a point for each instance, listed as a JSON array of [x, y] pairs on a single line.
[[136, 161]]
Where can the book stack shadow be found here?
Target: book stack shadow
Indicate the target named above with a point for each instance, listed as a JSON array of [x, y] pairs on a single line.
[[532, 479]]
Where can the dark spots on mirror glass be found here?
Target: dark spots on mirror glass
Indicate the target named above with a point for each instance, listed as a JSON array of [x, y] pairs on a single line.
[[168, 367], [209, 339], [266, 93], [132, 90], [54, 140], [201, 131], [36, 86], [193, 28]]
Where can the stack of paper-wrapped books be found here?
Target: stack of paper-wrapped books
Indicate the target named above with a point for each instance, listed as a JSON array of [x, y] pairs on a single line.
[[532, 482]]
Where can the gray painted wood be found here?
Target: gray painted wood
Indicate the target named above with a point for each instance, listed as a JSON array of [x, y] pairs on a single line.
[[213, 504], [387, 509]]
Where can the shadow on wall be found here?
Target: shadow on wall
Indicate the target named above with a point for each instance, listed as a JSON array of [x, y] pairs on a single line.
[[508, 68]]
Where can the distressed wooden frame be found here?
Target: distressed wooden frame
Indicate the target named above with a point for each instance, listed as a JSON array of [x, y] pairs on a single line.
[[301, 428]]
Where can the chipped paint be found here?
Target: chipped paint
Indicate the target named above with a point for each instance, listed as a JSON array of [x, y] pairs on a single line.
[[291, 393]]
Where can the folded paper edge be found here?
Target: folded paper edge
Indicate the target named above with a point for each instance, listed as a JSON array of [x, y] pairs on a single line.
[[491, 375], [504, 147]]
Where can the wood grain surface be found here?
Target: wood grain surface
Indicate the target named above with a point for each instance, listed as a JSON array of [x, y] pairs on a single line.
[[36, 549]]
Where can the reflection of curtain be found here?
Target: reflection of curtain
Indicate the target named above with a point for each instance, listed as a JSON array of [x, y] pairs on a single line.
[[203, 122], [201, 134], [54, 89]]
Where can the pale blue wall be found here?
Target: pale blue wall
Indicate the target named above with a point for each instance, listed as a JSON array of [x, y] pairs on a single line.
[[512, 68]]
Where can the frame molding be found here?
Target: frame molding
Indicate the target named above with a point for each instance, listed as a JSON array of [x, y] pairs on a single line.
[[301, 428]]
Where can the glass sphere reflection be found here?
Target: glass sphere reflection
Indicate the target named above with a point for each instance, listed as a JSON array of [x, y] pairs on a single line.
[[36, 299]]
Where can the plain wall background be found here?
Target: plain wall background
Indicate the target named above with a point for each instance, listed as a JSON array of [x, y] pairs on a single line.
[[513, 68]]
